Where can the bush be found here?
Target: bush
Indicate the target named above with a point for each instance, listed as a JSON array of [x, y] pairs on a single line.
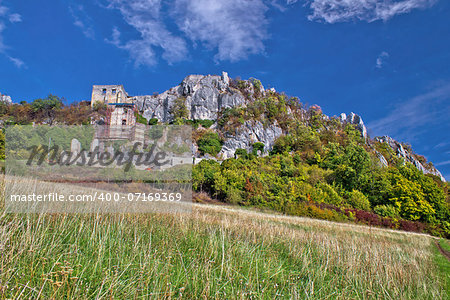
[[209, 143], [179, 109], [358, 200], [234, 196], [240, 153], [258, 146], [328, 194], [141, 119], [386, 211], [205, 123], [201, 197], [153, 121]]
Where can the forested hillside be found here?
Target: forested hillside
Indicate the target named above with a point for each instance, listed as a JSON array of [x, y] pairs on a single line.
[[296, 160]]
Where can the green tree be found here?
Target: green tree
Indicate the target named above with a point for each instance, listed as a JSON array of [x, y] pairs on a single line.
[[47, 108], [209, 142], [179, 110], [358, 200], [240, 153], [409, 199], [258, 146]]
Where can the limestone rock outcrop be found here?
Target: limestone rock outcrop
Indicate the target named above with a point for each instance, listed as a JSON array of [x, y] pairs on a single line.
[[248, 134], [355, 119], [404, 153], [5, 98], [203, 95]]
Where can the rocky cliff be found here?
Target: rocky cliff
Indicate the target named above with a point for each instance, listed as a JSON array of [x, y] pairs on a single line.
[[400, 151], [206, 96], [5, 98]]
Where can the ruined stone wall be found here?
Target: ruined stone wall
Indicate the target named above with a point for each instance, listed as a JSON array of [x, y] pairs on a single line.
[[122, 116], [109, 94]]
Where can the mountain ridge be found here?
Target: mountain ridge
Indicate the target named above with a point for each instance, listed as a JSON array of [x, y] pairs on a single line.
[[207, 96]]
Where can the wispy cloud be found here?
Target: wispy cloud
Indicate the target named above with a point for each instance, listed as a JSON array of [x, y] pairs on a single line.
[[147, 18], [82, 20], [409, 118], [236, 28], [442, 163], [442, 145], [15, 18], [7, 17], [333, 11], [18, 62], [381, 59], [233, 29]]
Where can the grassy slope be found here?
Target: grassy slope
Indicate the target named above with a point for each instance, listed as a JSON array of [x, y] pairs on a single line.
[[443, 264], [214, 252]]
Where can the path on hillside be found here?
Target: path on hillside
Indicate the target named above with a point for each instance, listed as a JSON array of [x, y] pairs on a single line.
[[443, 251]]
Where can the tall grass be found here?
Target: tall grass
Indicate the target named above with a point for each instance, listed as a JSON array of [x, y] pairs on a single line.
[[213, 252]]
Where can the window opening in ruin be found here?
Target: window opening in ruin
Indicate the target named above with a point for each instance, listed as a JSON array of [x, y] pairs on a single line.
[[124, 122], [104, 91]]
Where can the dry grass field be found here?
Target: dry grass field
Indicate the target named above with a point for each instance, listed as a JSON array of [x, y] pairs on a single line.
[[211, 252]]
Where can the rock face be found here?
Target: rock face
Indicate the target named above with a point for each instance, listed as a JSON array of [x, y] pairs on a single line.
[[354, 119], [5, 98], [402, 152], [248, 134], [204, 97]]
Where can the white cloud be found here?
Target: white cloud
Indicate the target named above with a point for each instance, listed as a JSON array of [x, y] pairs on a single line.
[[18, 62], [236, 28], [411, 118], [333, 11], [2, 46], [3, 10], [15, 18], [5, 17], [82, 21], [233, 28], [442, 163], [145, 16], [381, 59]]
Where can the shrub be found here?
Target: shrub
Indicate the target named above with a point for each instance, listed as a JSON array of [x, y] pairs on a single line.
[[240, 153], [209, 143], [234, 196], [201, 197], [386, 211], [179, 109], [205, 123], [258, 146], [329, 195], [358, 200], [153, 121], [140, 119]]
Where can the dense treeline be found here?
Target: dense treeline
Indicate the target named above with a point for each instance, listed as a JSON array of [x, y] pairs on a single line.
[[50, 110], [320, 168]]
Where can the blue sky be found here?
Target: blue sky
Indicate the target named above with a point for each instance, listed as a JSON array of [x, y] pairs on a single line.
[[386, 60]]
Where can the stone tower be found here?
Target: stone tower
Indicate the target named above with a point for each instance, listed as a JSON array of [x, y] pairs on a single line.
[[109, 94]]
